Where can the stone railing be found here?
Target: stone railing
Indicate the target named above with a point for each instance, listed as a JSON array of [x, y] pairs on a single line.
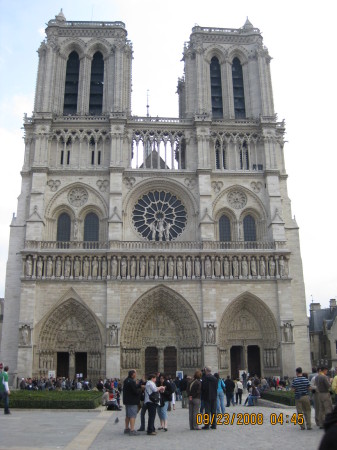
[[155, 246], [140, 266]]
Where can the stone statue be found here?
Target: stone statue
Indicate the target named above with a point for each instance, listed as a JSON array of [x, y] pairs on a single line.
[[29, 266], [77, 267], [281, 266], [288, 332], [208, 267], [244, 267], [153, 229], [217, 267], [235, 267], [104, 267], [94, 268], [151, 267], [161, 229], [85, 267], [114, 267], [39, 267], [161, 267], [253, 267], [67, 267], [167, 231], [188, 267], [123, 267], [133, 268], [197, 267], [210, 333], [226, 267], [142, 267], [24, 335], [49, 267], [262, 268], [58, 267], [113, 335], [271, 267], [170, 268], [179, 267]]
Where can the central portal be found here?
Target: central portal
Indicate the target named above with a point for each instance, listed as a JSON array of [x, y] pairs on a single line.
[[81, 364]]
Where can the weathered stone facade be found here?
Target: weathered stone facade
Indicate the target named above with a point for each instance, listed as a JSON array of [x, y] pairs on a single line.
[[154, 243]]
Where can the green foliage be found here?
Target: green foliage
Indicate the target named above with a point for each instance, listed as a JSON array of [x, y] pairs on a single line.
[[283, 397], [55, 399]]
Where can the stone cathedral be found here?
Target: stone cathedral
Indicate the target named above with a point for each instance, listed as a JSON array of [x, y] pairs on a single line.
[[150, 242]]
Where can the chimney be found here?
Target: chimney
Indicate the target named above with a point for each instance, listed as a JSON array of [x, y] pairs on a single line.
[[315, 306]]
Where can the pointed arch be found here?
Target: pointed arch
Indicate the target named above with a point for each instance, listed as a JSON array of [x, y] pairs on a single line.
[[157, 302], [248, 318]]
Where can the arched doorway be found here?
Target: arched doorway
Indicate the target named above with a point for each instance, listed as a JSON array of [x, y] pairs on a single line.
[[248, 338], [161, 331], [70, 342]]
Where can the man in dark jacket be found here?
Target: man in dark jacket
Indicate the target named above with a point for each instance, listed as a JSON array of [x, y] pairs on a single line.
[[209, 389], [131, 399], [230, 386]]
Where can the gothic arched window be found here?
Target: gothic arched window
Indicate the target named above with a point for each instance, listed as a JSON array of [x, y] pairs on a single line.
[[249, 228], [71, 86], [238, 90], [63, 228], [224, 229], [216, 90], [96, 84], [91, 227]]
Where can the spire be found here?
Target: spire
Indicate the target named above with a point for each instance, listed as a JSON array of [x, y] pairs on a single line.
[[60, 17], [248, 25]]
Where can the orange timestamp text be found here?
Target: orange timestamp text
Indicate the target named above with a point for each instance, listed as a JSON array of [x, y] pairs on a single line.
[[248, 419]]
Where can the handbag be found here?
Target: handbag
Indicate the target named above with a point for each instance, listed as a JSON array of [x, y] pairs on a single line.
[[154, 397]]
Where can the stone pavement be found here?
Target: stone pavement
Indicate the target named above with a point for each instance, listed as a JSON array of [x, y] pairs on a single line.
[[72, 430]]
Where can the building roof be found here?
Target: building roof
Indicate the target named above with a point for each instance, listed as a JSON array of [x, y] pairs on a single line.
[[318, 317]]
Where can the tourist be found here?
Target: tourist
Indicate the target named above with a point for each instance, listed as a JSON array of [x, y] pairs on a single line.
[[209, 394], [252, 396], [329, 439], [220, 399], [301, 386], [143, 407], [194, 399], [230, 385], [131, 398], [166, 397], [4, 389], [183, 387], [238, 391], [334, 386], [323, 386], [151, 404]]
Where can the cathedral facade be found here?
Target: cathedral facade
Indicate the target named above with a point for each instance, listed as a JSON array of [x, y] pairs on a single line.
[[153, 243]]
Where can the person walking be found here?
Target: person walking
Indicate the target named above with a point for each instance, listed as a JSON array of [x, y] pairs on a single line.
[[323, 386], [301, 386], [183, 387], [194, 395], [131, 399], [209, 389], [4, 389]]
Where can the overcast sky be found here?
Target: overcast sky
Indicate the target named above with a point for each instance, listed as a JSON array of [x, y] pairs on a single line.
[[300, 36]]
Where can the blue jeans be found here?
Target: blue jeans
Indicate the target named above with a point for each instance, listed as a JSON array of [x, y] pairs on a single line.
[[220, 402], [251, 399]]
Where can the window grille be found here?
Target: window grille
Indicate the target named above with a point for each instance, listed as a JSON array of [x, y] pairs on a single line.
[[216, 89], [96, 84], [224, 229], [91, 227], [63, 228], [249, 228], [238, 90]]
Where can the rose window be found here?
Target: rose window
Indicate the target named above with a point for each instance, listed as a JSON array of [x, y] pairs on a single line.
[[159, 216]]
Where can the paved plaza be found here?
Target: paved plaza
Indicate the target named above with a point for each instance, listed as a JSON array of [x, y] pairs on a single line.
[[38, 429]]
